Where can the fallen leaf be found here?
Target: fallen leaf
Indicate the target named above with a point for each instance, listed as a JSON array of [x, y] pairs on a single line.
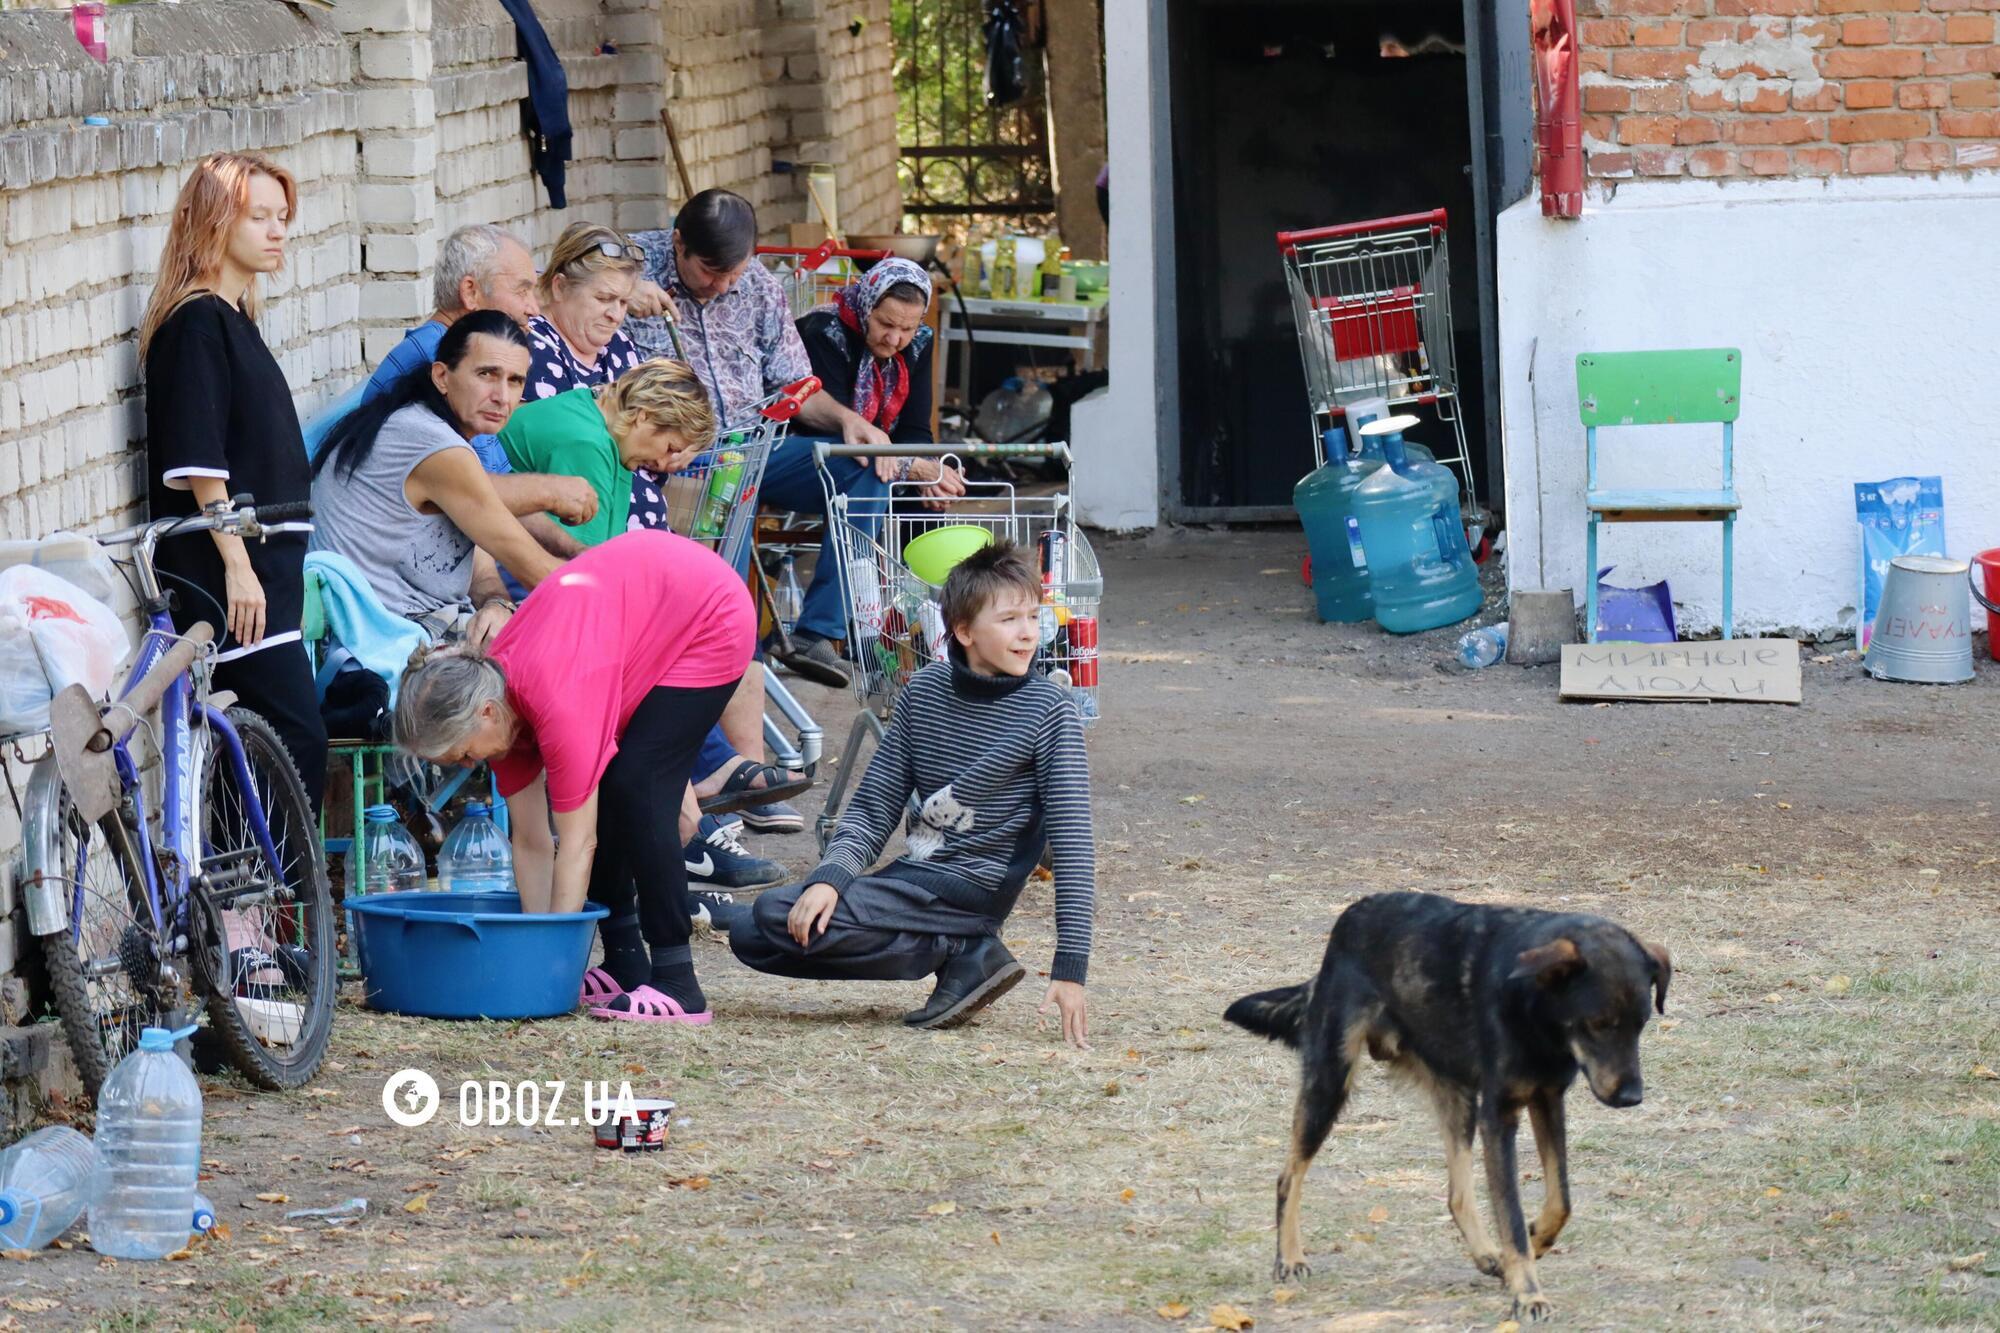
[[1962, 1264], [1784, 805], [1111, 1088], [1126, 1196], [635, 1070], [1378, 1214], [1507, 1326], [179, 1255], [689, 1183], [1840, 985], [1172, 1310], [1229, 1317], [1773, 1192], [1981, 1071], [1822, 659], [1284, 1295], [18, 1255], [33, 1304], [410, 1320], [945, 1209], [418, 1203], [273, 1198], [1193, 800], [1774, 998]]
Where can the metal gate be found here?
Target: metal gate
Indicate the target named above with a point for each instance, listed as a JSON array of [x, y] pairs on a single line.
[[962, 159]]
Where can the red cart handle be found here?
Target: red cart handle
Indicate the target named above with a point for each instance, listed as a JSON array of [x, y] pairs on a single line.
[[790, 399], [1288, 241]]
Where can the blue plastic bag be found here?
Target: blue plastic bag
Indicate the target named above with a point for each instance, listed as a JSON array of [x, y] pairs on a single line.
[[1901, 516], [1634, 615]]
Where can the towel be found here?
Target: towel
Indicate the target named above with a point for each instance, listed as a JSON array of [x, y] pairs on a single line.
[[356, 620]]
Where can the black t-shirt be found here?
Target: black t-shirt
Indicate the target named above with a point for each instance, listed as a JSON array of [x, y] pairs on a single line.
[[217, 405]]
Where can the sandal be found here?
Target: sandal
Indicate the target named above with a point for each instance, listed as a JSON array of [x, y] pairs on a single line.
[[737, 793], [246, 963], [650, 1006], [599, 987]]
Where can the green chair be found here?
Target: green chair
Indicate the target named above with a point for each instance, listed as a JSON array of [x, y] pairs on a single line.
[[1698, 386]]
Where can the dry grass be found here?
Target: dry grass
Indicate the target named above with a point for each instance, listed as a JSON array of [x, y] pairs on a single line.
[[1816, 1147]]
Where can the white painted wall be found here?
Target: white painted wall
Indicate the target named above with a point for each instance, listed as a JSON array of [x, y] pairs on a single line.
[[1867, 311], [1116, 433]]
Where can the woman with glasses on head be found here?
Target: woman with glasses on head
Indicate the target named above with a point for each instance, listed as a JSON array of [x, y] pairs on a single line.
[[585, 291]]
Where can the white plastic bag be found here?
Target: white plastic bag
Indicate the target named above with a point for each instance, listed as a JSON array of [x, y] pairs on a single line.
[[52, 635]]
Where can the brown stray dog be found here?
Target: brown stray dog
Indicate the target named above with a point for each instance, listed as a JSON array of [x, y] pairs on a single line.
[[1489, 1010]]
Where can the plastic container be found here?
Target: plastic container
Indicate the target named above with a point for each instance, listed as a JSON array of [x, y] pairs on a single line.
[[390, 860], [1986, 565], [204, 1213], [148, 1152], [788, 599], [476, 857], [470, 955], [1324, 498], [45, 1184], [1419, 568], [932, 554], [1483, 647]]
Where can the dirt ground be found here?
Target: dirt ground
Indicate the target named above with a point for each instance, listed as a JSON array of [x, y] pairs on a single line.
[[1819, 1145]]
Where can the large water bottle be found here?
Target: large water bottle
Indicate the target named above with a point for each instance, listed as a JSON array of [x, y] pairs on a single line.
[[475, 857], [388, 860], [148, 1152], [1324, 498], [1420, 570], [44, 1185]]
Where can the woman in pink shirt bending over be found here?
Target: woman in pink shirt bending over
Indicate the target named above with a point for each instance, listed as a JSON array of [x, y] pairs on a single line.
[[592, 703]]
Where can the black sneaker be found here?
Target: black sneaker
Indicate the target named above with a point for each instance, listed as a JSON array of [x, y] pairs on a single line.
[[717, 910], [967, 984], [717, 857]]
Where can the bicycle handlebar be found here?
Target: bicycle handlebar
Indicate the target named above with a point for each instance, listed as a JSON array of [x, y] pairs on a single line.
[[244, 520]]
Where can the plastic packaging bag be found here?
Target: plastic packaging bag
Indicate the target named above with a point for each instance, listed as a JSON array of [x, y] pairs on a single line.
[[67, 555], [1634, 615], [1901, 516], [52, 635]]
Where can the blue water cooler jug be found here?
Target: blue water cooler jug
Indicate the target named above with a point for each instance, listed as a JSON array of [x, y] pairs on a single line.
[[1324, 498], [1420, 570]]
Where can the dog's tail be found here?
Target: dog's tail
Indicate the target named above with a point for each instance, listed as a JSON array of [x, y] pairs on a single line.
[[1277, 1014]]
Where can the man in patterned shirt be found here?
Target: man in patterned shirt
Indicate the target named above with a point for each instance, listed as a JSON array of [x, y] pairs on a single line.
[[733, 323]]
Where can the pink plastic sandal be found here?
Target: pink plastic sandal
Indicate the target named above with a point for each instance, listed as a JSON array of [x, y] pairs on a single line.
[[651, 1006], [599, 987]]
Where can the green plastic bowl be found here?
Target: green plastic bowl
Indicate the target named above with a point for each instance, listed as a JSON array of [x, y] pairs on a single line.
[[932, 555]]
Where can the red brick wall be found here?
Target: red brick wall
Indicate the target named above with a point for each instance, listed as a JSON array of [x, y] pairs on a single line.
[[1711, 88]]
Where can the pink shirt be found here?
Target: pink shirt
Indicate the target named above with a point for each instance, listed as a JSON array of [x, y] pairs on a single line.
[[644, 609]]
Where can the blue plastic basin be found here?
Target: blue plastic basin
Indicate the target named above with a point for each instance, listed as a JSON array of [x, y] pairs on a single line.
[[469, 955]]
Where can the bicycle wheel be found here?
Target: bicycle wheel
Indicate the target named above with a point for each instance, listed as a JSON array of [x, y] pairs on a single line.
[[106, 969], [266, 933]]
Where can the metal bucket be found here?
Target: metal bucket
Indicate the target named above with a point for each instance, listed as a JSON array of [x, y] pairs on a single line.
[[1923, 627]]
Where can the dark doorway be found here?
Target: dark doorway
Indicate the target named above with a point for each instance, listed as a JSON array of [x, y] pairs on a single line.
[[1288, 116]]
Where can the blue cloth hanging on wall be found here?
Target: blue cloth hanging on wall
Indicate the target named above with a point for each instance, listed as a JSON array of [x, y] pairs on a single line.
[[545, 114]]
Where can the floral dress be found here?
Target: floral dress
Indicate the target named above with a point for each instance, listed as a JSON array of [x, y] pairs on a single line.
[[556, 369]]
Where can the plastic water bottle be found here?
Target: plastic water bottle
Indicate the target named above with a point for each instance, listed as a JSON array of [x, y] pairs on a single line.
[[204, 1214], [388, 860], [788, 600], [148, 1152], [44, 1185], [1420, 571], [1483, 647], [476, 857]]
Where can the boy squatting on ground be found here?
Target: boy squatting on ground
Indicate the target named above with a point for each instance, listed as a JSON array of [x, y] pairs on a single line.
[[994, 756]]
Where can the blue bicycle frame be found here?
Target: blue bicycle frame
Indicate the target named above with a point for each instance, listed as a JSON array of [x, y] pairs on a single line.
[[181, 795]]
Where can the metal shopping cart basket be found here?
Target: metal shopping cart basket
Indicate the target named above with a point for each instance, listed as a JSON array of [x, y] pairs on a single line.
[[1372, 301], [894, 625], [813, 276]]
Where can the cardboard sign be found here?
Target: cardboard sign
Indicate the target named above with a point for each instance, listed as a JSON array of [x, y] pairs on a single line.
[[1764, 671]]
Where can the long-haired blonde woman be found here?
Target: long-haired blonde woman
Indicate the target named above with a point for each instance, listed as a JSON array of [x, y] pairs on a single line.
[[220, 422], [585, 290]]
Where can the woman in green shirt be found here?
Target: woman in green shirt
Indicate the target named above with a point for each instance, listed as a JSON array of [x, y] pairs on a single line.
[[655, 417]]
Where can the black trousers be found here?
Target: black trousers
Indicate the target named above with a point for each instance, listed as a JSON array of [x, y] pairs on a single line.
[[277, 684], [639, 849], [882, 929]]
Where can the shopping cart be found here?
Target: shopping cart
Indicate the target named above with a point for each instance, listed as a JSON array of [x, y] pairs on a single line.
[[894, 625], [813, 276], [1372, 301]]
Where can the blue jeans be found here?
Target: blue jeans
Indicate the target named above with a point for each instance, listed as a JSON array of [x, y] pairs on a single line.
[[792, 481]]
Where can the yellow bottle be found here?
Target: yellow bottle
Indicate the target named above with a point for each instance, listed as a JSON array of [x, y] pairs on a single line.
[[1002, 278]]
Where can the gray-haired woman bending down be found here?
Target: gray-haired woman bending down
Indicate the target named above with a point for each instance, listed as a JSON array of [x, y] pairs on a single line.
[[592, 703]]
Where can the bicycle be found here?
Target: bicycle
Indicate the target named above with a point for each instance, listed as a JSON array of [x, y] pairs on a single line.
[[218, 896]]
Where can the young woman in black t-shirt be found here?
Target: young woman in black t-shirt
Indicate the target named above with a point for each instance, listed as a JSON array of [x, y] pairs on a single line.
[[220, 422]]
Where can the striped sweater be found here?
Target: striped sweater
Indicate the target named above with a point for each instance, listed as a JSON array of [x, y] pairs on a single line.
[[996, 766]]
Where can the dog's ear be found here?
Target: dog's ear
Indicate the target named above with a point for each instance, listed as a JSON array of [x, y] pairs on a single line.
[[1663, 971], [1549, 963]]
